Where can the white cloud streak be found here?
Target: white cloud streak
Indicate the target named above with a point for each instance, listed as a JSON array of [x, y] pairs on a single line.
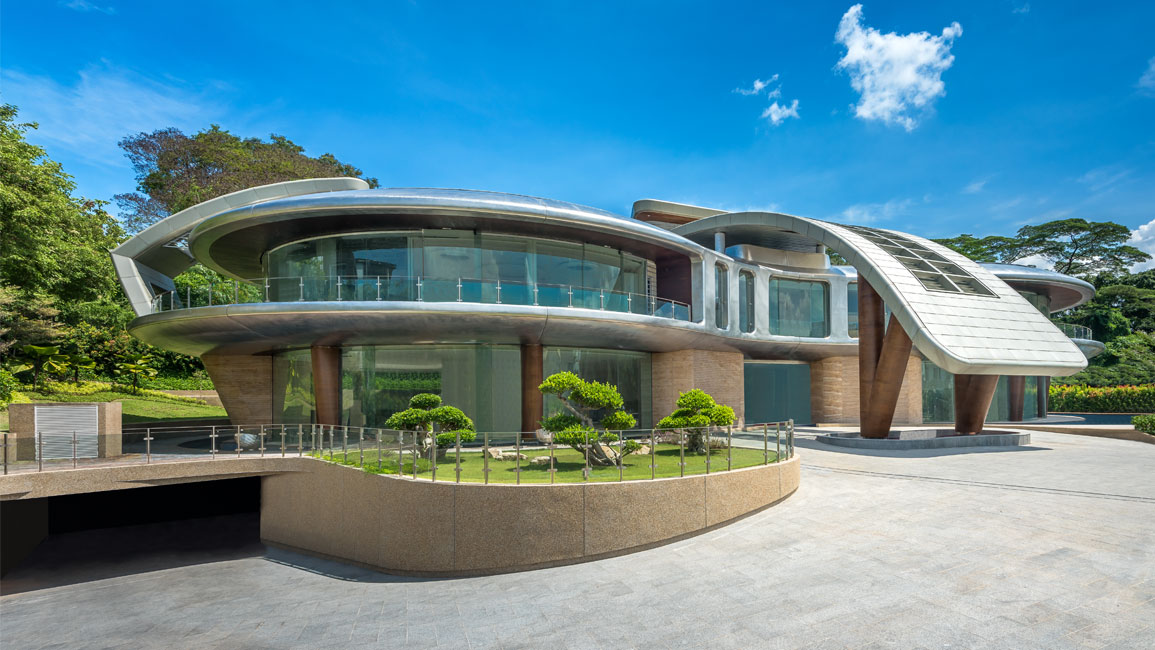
[[778, 114], [85, 6], [758, 87], [1024, 8], [105, 104], [862, 213], [894, 74], [1146, 83], [976, 186]]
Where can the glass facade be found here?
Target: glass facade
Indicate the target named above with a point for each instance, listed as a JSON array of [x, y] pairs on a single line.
[[1040, 302], [629, 371], [484, 381], [366, 266], [746, 301], [721, 297], [938, 397], [799, 308], [852, 310], [777, 391]]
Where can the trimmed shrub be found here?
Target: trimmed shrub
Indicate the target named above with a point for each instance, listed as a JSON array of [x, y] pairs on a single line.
[[1144, 423], [1114, 399]]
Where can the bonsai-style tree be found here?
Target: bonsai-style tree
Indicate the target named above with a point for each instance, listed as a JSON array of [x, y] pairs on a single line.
[[136, 366], [45, 358], [696, 413], [426, 414], [576, 427]]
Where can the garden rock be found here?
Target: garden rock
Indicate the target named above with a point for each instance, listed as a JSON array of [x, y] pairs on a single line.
[[509, 455], [539, 460], [494, 454]]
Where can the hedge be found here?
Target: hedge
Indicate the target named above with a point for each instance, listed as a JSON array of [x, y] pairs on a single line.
[[1112, 399], [1144, 423]]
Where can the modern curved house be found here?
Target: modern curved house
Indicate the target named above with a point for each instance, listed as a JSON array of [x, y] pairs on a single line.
[[344, 301]]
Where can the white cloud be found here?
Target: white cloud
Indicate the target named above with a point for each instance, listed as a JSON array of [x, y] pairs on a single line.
[[1037, 261], [778, 114], [1104, 178], [976, 186], [861, 213], [894, 74], [86, 6], [1143, 238], [758, 87], [1146, 83], [105, 104], [1024, 8]]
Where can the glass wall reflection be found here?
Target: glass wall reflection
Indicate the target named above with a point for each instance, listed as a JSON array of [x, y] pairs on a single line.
[[799, 308], [629, 371]]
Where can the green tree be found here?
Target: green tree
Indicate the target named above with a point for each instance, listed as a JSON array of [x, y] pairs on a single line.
[[1128, 360], [175, 171], [136, 367], [51, 244], [443, 423], [1079, 247], [583, 401], [44, 358], [987, 249], [696, 412]]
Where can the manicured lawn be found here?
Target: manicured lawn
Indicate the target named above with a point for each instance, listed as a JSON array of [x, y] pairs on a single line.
[[567, 462], [136, 409]]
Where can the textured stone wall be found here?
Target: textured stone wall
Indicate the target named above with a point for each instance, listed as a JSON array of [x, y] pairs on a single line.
[[469, 528], [834, 391], [717, 373], [244, 384]]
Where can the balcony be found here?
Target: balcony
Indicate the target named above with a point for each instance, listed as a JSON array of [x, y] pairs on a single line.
[[1080, 332], [347, 288]]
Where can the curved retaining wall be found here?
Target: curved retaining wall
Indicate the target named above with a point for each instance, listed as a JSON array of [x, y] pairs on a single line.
[[419, 527]]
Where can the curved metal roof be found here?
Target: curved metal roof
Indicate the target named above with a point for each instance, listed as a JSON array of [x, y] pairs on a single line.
[[158, 253], [1063, 291], [958, 314], [233, 242]]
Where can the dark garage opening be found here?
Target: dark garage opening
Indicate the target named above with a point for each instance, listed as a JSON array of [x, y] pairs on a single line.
[[78, 538]]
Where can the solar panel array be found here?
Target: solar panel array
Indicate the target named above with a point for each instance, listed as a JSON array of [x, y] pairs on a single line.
[[934, 271]]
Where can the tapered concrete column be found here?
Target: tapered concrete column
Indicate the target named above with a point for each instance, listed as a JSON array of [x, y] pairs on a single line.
[[327, 383], [972, 399], [1017, 396], [532, 374], [870, 332]]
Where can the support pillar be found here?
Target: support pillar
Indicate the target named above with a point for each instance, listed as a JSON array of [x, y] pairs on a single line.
[[972, 400], [1017, 385], [1044, 394], [882, 358], [327, 383], [532, 374]]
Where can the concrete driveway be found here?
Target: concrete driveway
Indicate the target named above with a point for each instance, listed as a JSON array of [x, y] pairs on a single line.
[[1050, 546]]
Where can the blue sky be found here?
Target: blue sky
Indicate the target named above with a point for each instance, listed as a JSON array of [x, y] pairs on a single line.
[[937, 118]]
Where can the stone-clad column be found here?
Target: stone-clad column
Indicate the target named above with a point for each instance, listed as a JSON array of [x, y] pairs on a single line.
[[883, 355], [972, 400], [327, 383], [1017, 390]]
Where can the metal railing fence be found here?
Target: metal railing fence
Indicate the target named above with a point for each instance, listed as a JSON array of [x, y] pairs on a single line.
[[1076, 331], [416, 289], [514, 457]]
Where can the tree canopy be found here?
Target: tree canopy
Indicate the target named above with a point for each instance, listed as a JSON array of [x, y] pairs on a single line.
[[175, 171]]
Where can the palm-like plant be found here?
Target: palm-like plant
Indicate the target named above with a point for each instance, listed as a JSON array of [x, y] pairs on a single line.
[[136, 366], [78, 362], [45, 358]]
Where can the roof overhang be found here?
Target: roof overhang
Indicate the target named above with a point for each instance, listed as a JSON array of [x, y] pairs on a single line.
[[963, 333]]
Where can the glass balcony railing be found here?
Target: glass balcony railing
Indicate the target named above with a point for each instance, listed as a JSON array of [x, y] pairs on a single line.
[[416, 289], [1076, 331]]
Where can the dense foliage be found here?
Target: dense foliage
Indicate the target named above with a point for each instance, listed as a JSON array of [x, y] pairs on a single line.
[[583, 402], [1144, 423], [175, 171], [1090, 399]]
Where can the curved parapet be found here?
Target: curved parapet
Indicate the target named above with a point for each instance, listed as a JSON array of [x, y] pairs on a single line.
[[147, 262], [958, 314], [1062, 291]]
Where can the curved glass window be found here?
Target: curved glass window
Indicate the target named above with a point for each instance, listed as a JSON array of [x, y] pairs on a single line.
[[721, 297], [852, 310], [799, 308], [456, 265], [1038, 301], [746, 301]]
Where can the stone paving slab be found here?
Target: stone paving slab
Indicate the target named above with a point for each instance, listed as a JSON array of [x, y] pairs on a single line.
[[1051, 547]]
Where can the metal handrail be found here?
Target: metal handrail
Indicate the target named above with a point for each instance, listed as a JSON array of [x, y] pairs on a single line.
[[347, 288], [410, 454], [1076, 331]]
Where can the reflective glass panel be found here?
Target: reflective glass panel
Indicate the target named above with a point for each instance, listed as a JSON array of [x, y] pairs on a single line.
[[799, 308], [746, 301], [629, 371]]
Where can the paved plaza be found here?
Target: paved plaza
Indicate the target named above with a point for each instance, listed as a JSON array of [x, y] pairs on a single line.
[[1046, 546]]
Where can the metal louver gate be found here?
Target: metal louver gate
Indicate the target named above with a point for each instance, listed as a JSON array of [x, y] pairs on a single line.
[[54, 428]]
